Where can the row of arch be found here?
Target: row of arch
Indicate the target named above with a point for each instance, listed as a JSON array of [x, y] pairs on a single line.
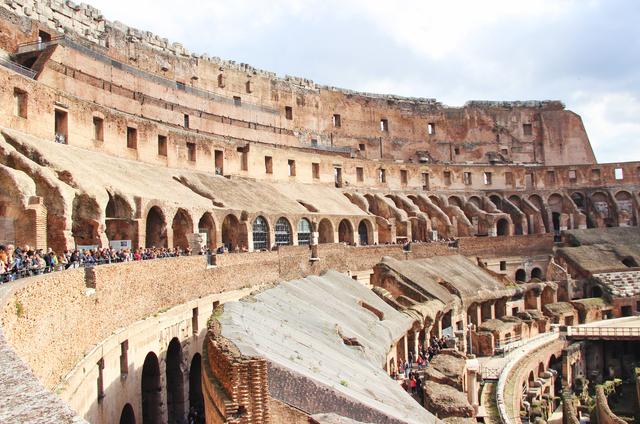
[[552, 214], [152, 391], [234, 233]]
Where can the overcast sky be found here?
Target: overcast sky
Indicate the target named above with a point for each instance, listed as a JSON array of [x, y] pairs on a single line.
[[583, 52]]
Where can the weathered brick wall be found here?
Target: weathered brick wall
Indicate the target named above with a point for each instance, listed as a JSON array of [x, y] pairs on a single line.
[[603, 412], [512, 245]]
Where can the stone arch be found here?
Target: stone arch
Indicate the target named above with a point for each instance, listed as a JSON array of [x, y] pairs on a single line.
[[435, 200], [541, 369], [537, 273], [175, 383], [472, 314], [345, 232], [151, 390], [127, 416], [304, 232], [365, 233], [579, 200], [119, 223], [516, 200], [196, 398], [627, 214], [521, 275], [325, 231], [260, 233], [476, 201], [232, 234], [596, 291], [282, 231], [455, 201], [182, 226], [117, 207], [497, 200], [531, 378], [207, 225], [502, 227], [536, 200], [156, 228], [600, 202]]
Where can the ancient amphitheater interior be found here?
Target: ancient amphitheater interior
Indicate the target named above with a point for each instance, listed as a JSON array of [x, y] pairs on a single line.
[[187, 239]]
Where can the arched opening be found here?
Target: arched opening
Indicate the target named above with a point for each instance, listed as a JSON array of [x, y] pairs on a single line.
[[531, 379], [521, 275], [283, 232], [175, 383], [472, 314], [540, 369], [363, 233], [151, 391], [536, 273], [496, 201], [127, 416], [555, 218], [578, 199], [207, 226], [502, 227], [345, 232], [455, 201], [476, 201], [304, 232], [516, 201], [556, 364], [625, 208], [196, 399], [596, 291], [556, 205], [260, 234], [182, 226], [325, 231], [231, 233], [119, 224], [156, 228]]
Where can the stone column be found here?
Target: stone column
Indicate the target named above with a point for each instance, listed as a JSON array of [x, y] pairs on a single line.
[[473, 368]]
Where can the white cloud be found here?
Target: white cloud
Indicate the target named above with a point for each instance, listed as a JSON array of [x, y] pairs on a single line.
[[612, 121]]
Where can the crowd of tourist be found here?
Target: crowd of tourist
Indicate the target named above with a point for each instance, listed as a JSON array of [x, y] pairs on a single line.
[[20, 262], [411, 377]]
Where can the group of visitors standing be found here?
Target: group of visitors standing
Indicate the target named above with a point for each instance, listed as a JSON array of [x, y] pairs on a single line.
[[20, 262], [412, 381]]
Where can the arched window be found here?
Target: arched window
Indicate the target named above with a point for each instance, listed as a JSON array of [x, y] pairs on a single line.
[[363, 233], [259, 234], [521, 275], [304, 232], [283, 232]]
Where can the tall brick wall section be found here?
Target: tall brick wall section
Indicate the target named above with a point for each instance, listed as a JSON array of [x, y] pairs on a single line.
[[604, 413], [239, 392]]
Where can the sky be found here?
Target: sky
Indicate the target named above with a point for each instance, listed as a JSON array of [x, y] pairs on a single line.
[[585, 53]]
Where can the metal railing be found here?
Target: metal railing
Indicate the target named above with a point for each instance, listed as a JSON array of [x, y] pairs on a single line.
[[597, 332], [38, 45], [16, 67]]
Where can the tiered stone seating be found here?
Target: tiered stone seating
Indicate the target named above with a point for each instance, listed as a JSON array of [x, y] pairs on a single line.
[[620, 284]]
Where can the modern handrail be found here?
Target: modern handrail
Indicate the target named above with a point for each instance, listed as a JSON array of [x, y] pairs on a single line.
[[23, 70], [603, 331]]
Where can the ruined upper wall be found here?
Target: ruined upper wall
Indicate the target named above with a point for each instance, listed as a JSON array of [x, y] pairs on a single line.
[[371, 126]]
